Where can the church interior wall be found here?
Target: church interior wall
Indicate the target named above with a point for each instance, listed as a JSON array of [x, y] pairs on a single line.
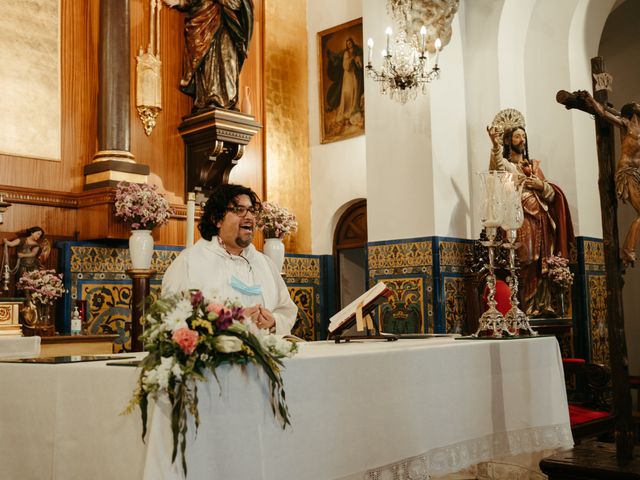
[[338, 169], [416, 165]]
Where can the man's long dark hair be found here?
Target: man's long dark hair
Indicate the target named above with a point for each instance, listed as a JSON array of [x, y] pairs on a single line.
[[506, 143], [628, 110], [216, 207]]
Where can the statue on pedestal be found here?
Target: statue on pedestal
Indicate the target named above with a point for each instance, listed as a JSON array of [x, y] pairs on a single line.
[[217, 35]]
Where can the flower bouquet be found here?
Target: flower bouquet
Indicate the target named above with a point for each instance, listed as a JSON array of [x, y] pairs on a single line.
[[141, 205], [44, 286], [275, 221], [559, 273], [187, 335]]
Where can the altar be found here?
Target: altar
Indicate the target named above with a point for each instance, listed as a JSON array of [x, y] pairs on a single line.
[[358, 410]]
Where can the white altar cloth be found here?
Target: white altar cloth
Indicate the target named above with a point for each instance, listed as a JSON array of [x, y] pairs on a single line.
[[435, 406], [17, 347]]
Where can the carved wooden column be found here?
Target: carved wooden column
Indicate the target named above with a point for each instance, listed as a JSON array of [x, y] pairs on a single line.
[[113, 161], [139, 293], [214, 142]]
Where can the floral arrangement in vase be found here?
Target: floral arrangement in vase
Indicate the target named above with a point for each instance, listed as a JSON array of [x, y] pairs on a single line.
[[141, 205], [44, 286], [559, 273], [276, 221], [188, 335]]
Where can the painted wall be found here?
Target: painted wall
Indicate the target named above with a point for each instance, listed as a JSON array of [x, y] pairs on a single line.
[[337, 169]]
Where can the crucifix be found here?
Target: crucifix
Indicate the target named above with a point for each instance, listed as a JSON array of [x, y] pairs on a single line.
[[604, 119]]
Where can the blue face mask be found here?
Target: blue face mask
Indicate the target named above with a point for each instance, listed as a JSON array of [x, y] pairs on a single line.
[[243, 288]]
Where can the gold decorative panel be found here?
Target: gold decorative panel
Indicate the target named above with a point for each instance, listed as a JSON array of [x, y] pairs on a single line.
[[286, 115], [404, 311], [454, 304], [30, 78], [399, 255], [303, 297], [593, 252], [302, 267], [452, 254], [598, 309]]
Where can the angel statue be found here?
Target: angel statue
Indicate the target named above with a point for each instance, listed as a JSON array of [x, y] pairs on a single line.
[[32, 251], [628, 169], [547, 229]]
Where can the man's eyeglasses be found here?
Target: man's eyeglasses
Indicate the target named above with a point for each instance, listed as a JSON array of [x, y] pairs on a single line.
[[241, 210]]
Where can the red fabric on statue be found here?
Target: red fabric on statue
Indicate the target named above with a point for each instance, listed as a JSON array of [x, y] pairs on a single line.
[[502, 297]]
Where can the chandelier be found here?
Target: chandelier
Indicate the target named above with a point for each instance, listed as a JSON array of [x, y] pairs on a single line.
[[410, 62]]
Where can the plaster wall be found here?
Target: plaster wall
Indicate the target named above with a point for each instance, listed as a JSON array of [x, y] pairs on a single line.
[[338, 169], [451, 177], [400, 187]]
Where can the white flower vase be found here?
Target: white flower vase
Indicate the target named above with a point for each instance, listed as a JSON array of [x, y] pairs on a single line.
[[274, 249], [141, 249]]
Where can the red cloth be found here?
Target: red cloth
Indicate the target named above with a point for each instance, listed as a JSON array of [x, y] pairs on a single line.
[[574, 360], [579, 415], [502, 297]]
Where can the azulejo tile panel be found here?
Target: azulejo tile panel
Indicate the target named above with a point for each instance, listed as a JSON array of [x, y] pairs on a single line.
[[404, 311], [305, 281], [590, 329], [406, 267], [403, 254], [598, 319], [450, 265], [455, 305], [453, 254], [108, 306], [304, 298], [94, 265], [302, 268], [594, 252]]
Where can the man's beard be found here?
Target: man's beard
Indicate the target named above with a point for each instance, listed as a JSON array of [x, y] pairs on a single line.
[[518, 148], [244, 243]]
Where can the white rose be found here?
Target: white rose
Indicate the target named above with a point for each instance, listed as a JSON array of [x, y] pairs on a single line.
[[227, 344], [164, 372]]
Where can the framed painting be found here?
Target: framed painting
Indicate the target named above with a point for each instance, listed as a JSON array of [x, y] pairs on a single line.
[[341, 84]]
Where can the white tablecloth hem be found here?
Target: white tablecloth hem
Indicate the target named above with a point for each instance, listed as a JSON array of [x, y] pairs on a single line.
[[456, 457]]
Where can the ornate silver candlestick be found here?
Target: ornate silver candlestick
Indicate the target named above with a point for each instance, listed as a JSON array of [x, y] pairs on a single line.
[[516, 320], [491, 215], [491, 321]]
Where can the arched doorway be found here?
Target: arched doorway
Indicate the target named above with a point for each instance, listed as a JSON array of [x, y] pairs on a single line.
[[350, 254]]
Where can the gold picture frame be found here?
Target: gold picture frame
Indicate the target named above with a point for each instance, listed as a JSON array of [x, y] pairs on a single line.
[[341, 89]]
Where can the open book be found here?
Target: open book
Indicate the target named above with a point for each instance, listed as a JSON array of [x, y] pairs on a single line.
[[367, 301]]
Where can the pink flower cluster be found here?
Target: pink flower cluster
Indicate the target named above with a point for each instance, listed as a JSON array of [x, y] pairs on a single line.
[[141, 205], [187, 339], [44, 285], [559, 272], [275, 221]]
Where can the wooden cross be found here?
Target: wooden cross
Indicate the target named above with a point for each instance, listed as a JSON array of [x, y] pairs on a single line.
[[613, 264]]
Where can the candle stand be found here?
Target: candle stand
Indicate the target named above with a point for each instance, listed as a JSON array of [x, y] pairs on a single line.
[[516, 320]]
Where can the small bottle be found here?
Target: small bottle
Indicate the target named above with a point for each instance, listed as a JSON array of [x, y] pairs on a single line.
[[76, 322]]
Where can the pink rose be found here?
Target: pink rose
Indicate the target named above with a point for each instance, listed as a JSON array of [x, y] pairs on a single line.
[[187, 339], [215, 307]]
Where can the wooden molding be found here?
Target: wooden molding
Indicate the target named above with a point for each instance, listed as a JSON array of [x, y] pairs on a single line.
[[50, 198]]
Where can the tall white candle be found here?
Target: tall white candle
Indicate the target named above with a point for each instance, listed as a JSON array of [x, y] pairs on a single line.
[[191, 215], [388, 32], [438, 47], [423, 37], [370, 45]]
